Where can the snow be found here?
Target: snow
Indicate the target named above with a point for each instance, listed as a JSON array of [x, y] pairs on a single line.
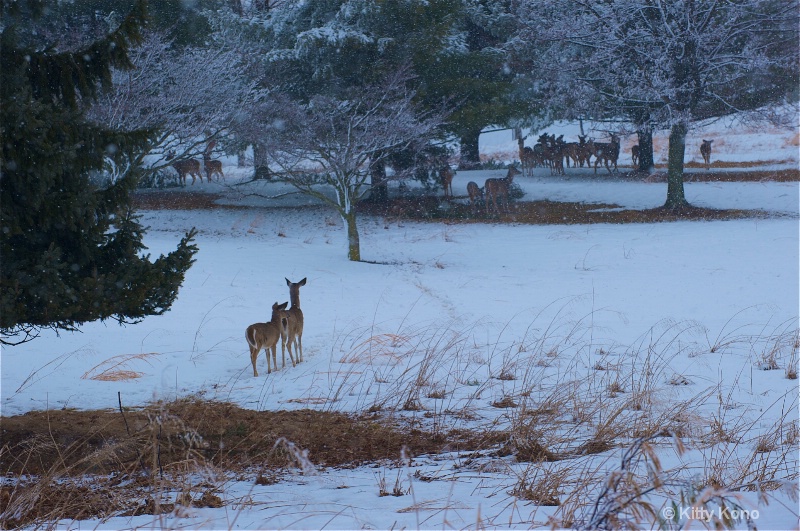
[[548, 303]]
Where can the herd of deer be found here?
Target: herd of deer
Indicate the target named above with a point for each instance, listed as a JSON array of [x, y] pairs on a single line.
[[493, 188], [285, 326], [192, 166], [551, 151]]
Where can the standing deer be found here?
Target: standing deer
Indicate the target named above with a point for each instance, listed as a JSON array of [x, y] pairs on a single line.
[[607, 153], [266, 336], [211, 166], [446, 175], [584, 153], [294, 329], [527, 158], [635, 154], [190, 166], [572, 151], [499, 187], [475, 194], [705, 150]]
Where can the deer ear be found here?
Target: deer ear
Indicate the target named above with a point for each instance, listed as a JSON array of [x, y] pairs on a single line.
[[302, 282], [288, 283]]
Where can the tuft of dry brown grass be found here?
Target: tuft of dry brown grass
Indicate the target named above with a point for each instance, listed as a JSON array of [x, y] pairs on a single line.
[[117, 368], [137, 457]]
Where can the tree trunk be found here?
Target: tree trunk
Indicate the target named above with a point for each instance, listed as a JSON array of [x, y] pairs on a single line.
[[470, 154], [646, 160], [353, 243], [676, 198], [261, 163], [241, 159], [379, 191]]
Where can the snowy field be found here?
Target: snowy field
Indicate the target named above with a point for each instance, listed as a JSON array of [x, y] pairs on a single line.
[[684, 313]]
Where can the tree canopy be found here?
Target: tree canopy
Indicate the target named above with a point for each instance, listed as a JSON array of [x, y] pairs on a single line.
[[665, 64], [71, 245]]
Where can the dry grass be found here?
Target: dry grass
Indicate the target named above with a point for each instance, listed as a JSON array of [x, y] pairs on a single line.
[[117, 368], [141, 460], [553, 434]]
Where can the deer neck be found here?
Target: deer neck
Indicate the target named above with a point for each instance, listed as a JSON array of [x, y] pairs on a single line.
[[294, 297]]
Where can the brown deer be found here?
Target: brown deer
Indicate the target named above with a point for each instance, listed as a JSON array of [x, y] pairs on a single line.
[[557, 153], [475, 195], [294, 329], [572, 151], [499, 187], [446, 175], [527, 158], [266, 336], [607, 153], [705, 150], [211, 166], [584, 153], [187, 166], [635, 154]]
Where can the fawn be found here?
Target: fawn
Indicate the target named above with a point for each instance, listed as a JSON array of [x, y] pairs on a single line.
[[266, 336]]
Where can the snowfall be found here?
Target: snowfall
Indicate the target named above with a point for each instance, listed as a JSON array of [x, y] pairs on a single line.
[[452, 307]]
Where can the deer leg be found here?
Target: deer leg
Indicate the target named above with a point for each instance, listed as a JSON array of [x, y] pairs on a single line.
[[291, 356], [298, 347], [253, 359]]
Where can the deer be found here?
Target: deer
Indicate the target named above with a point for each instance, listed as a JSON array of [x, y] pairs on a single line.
[[572, 151], [475, 195], [527, 158], [266, 336], [184, 167], [294, 329], [557, 153], [211, 166], [608, 153], [494, 187], [705, 150], [584, 153], [635, 154], [446, 175]]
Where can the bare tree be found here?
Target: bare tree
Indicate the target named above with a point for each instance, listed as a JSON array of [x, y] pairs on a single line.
[[673, 62], [187, 96], [331, 143]]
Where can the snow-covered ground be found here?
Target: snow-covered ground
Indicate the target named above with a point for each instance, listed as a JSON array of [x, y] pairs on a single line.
[[698, 307]]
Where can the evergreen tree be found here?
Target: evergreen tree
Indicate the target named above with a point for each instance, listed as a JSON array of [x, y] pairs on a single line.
[[70, 243]]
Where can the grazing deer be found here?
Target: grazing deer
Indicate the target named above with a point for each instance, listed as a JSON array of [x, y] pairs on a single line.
[[190, 166], [211, 166], [494, 187], [705, 150], [527, 158], [475, 195], [635, 154], [446, 175], [294, 329], [266, 336]]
